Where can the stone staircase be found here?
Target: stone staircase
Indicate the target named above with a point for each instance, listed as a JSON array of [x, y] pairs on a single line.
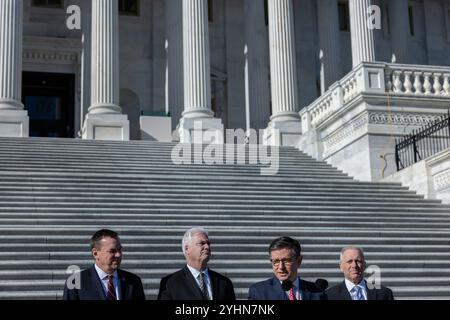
[[54, 193]]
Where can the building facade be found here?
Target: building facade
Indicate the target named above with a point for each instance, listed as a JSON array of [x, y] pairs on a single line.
[[116, 69]]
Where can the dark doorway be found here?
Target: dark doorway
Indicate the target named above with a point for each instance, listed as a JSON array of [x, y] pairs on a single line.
[[49, 100]]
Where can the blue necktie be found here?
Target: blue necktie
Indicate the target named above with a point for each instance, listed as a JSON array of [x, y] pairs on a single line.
[[358, 295]]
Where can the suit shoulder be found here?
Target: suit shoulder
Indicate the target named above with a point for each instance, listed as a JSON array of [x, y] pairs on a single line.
[[218, 275], [261, 284], [334, 290], [130, 275]]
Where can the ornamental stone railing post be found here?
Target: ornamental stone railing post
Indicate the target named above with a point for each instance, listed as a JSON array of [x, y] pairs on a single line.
[[14, 121], [105, 120], [285, 125], [197, 116]]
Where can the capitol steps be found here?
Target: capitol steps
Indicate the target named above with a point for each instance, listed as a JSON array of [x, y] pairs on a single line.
[[54, 193]]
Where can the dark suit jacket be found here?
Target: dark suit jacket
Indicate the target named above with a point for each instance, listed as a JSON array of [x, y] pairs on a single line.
[[271, 289], [181, 285], [91, 287], [340, 292]]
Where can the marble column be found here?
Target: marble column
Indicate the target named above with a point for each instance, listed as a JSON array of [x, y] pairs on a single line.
[[329, 43], [174, 67], [362, 37], [197, 116], [284, 127], [105, 120], [14, 121], [257, 87], [399, 11]]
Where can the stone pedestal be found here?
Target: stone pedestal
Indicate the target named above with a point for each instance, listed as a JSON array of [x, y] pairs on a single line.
[[106, 127]]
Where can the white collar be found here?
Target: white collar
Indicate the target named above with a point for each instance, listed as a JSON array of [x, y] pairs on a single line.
[[196, 272], [350, 285], [102, 274]]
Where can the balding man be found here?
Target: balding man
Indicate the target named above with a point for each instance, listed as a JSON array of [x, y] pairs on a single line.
[[196, 281], [354, 287]]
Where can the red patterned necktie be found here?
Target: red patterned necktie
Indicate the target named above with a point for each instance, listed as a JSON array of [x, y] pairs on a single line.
[[292, 295], [111, 295]]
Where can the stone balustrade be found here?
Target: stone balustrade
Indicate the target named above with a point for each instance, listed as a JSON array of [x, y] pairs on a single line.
[[418, 80], [381, 79]]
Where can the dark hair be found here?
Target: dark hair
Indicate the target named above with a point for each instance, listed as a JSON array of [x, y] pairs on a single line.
[[100, 234], [286, 243]]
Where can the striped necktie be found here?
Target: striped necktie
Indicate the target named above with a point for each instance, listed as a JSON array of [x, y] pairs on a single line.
[[203, 286], [111, 294]]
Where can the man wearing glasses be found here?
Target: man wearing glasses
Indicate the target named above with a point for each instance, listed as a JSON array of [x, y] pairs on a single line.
[[285, 256], [104, 280]]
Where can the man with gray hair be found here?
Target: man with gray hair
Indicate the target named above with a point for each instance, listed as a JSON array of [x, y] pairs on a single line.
[[196, 281], [354, 286]]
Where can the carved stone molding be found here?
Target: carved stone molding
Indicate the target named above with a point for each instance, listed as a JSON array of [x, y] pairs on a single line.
[[401, 118], [49, 56], [344, 133], [442, 180]]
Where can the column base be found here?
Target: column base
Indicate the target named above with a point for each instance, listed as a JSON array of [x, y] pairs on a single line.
[[201, 130], [282, 133], [106, 127], [14, 123]]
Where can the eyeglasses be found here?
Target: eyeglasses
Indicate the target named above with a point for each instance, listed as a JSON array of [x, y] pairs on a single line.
[[287, 262]]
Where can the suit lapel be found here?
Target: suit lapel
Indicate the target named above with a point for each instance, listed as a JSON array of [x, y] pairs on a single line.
[[345, 295], [371, 294], [214, 285], [278, 290], [123, 285], [192, 285], [97, 283]]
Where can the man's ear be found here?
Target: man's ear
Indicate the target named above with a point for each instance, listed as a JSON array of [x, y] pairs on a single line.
[[94, 252], [299, 260]]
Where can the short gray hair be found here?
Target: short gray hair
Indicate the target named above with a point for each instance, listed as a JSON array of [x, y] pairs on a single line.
[[351, 248], [189, 234]]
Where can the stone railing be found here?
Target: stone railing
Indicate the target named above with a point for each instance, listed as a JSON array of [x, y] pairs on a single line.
[[418, 80], [381, 79]]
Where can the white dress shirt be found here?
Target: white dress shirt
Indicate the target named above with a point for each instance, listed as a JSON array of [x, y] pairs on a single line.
[[350, 285], [104, 277], [206, 278]]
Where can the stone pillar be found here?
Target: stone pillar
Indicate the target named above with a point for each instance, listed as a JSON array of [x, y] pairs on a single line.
[[284, 127], [174, 67], [399, 29], [105, 120], [197, 76], [330, 51], [257, 87], [363, 48], [14, 121]]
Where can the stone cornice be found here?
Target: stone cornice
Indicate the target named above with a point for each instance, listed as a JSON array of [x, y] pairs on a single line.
[[52, 50]]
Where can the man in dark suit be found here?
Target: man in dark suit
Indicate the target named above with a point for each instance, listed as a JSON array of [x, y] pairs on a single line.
[[354, 286], [196, 281], [285, 256], [104, 280]]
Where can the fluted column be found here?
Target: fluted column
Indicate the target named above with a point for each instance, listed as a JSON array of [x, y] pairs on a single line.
[[197, 74], [328, 22], [285, 119], [363, 48], [256, 66], [104, 120], [13, 119], [174, 71], [399, 29]]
